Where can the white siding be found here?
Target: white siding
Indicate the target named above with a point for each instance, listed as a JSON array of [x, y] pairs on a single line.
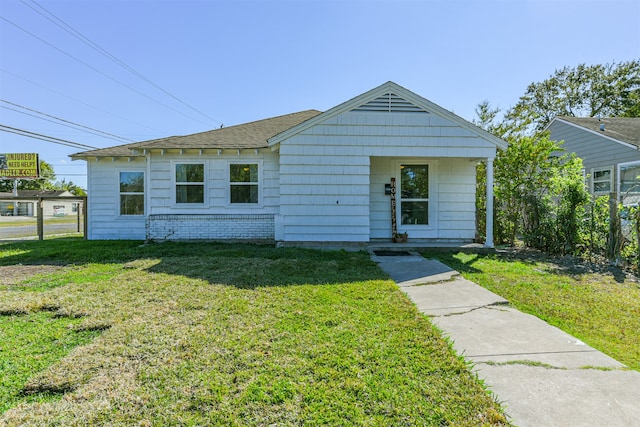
[[216, 218], [162, 190], [452, 199], [323, 184], [332, 176], [103, 201], [457, 199]]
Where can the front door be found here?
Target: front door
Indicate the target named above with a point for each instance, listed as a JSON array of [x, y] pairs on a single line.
[[414, 195]]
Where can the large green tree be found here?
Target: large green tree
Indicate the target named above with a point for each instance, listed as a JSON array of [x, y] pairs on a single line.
[[582, 91], [539, 190]]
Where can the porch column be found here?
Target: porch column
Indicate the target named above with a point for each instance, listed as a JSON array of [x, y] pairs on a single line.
[[489, 218]]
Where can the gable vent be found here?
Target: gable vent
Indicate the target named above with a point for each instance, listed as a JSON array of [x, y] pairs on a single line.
[[390, 103]]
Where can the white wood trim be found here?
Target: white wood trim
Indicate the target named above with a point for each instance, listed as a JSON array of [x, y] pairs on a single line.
[[247, 161], [618, 177], [172, 171], [118, 193], [489, 205], [418, 231], [612, 185]]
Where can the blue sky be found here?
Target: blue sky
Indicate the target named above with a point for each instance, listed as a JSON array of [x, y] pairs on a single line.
[[232, 62]]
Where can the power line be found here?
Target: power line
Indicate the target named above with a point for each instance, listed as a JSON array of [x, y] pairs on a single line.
[[69, 125], [52, 121], [97, 70], [46, 138], [78, 100], [78, 35]]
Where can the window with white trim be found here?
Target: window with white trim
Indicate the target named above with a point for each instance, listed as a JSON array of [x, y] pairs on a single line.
[[629, 182], [601, 180], [131, 193], [414, 194], [189, 182], [244, 183]]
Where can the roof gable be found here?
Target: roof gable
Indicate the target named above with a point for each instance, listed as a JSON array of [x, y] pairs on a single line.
[[623, 130], [390, 98]]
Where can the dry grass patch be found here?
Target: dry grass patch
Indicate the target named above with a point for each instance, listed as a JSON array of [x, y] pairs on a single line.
[[16, 274]]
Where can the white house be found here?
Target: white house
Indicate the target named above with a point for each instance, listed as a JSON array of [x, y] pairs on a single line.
[[58, 203], [306, 177], [609, 149]]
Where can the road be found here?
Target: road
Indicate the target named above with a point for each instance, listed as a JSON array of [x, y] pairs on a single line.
[[24, 227]]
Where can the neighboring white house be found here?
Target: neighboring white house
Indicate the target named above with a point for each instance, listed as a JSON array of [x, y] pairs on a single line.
[[304, 177], [58, 203], [609, 149]]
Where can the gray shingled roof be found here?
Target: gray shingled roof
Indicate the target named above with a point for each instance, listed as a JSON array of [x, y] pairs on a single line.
[[625, 129], [245, 136]]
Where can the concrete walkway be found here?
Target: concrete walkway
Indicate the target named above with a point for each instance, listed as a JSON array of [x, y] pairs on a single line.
[[541, 375]]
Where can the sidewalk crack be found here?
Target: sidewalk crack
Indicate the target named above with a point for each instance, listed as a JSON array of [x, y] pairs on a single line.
[[491, 306], [537, 364]]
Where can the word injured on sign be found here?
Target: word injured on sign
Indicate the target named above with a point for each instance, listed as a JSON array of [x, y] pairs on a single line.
[[19, 165]]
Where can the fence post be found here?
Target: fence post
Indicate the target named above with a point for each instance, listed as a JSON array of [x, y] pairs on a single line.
[[614, 242], [85, 216], [40, 219]]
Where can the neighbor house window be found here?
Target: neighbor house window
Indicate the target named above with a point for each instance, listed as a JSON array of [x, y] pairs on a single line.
[[190, 183], [243, 183], [629, 176], [131, 193], [601, 180], [414, 194]]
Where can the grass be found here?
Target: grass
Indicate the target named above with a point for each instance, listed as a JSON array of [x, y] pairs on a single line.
[[30, 343], [220, 334], [601, 308]]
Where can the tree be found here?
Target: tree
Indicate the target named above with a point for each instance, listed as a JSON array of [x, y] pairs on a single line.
[[46, 182], [539, 195], [70, 187], [582, 91]]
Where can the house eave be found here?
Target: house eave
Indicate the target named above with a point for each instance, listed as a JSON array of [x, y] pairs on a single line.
[[584, 129]]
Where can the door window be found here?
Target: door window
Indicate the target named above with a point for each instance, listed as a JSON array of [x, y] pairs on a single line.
[[414, 194]]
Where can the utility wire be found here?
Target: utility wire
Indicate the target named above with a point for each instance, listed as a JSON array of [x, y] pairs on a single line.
[[70, 123], [47, 138], [78, 100], [59, 124], [77, 34], [97, 70]]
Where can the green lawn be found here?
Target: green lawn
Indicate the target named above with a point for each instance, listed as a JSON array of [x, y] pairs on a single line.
[[230, 335], [601, 308]]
